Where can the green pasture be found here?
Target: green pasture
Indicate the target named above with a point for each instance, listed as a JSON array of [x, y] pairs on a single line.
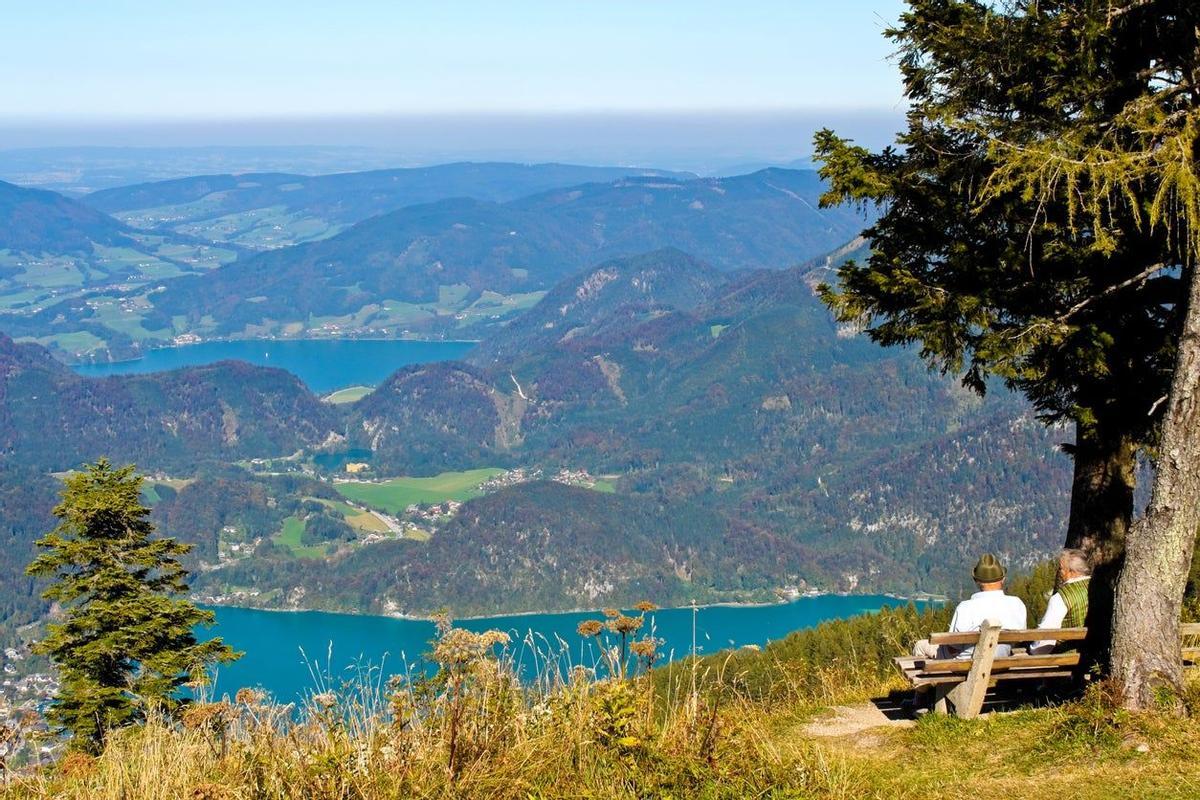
[[395, 495], [77, 342], [355, 518], [261, 228], [289, 538]]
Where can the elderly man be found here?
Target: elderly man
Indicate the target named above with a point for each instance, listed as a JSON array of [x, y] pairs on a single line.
[[989, 603], [1068, 606]]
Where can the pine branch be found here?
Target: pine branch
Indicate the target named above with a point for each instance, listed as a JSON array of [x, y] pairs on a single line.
[[1141, 277]]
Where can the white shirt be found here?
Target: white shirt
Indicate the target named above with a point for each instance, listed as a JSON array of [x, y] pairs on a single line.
[[995, 605], [1056, 612]]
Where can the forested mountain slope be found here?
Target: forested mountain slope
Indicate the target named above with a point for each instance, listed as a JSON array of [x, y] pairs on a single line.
[[753, 443], [456, 267], [610, 298], [798, 452], [52, 419], [542, 546], [426, 254], [279, 209], [38, 221]]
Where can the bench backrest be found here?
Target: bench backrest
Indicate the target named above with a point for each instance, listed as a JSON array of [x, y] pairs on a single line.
[[1012, 637], [1037, 634], [972, 676]]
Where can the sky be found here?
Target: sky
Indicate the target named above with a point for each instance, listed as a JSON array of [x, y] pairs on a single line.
[[252, 71]]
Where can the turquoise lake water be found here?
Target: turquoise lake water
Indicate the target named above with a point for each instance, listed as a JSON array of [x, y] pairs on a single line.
[[323, 364], [283, 650]]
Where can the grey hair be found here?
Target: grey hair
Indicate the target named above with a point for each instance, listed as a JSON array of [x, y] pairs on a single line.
[[1076, 561]]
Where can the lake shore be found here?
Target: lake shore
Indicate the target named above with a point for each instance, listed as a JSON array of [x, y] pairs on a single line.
[[228, 340], [324, 365], [917, 597]]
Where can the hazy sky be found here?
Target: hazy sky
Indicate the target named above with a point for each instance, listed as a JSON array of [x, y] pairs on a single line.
[[120, 60], [688, 84]]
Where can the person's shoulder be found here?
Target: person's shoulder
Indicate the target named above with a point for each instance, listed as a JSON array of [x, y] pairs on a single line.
[[966, 603], [1016, 601]]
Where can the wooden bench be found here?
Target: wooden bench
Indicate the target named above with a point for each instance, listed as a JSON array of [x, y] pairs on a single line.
[[960, 684]]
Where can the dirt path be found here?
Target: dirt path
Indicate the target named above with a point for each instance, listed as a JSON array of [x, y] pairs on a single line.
[[842, 721]]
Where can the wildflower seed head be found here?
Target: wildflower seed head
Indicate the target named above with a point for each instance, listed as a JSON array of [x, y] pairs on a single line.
[[459, 646], [204, 715], [590, 627], [625, 625]]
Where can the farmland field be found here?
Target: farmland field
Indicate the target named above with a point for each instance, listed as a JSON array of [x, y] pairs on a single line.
[[395, 495], [355, 518], [289, 537]]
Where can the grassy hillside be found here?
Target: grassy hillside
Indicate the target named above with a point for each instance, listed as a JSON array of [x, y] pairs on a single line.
[[475, 732], [53, 250]]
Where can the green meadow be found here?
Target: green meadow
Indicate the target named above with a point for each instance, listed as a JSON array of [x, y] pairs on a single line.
[[289, 537], [397, 494], [355, 518]]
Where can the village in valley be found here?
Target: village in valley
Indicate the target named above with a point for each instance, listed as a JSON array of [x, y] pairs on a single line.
[[388, 509]]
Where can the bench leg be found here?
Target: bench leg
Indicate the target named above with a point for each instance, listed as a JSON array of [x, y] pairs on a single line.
[[939, 705], [967, 697]]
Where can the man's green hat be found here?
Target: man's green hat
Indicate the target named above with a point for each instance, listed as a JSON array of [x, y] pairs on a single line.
[[989, 569]]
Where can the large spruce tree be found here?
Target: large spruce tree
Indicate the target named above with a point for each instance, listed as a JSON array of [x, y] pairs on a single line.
[[993, 278], [1107, 161], [126, 642], [1075, 125]]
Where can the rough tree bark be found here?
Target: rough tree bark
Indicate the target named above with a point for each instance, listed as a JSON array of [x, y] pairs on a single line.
[[1101, 513], [1158, 552]]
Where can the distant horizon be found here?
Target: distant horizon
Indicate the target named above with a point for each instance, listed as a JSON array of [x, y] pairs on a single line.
[[703, 142], [697, 85]]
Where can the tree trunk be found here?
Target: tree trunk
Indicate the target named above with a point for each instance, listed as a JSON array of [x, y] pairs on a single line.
[[1102, 492], [1101, 513], [1145, 655]]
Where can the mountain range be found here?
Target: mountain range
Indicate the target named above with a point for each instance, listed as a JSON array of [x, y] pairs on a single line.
[[793, 451], [456, 267], [659, 329], [423, 253], [279, 209]]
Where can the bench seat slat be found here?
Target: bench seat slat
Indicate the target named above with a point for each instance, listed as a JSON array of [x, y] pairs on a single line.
[[1013, 636], [998, 665], [1012, 675]]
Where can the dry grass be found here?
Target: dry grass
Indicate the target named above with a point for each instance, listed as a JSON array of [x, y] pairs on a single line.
[[473, 730], [703, 730]]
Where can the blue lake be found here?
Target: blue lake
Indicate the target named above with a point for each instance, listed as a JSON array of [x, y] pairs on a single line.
[[284, 651], [323, 364]]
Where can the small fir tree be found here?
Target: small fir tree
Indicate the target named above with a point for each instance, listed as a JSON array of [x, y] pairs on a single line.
[[126, 640]]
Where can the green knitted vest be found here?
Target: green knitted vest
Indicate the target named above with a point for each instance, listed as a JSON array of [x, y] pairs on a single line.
[[1075, 595]]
